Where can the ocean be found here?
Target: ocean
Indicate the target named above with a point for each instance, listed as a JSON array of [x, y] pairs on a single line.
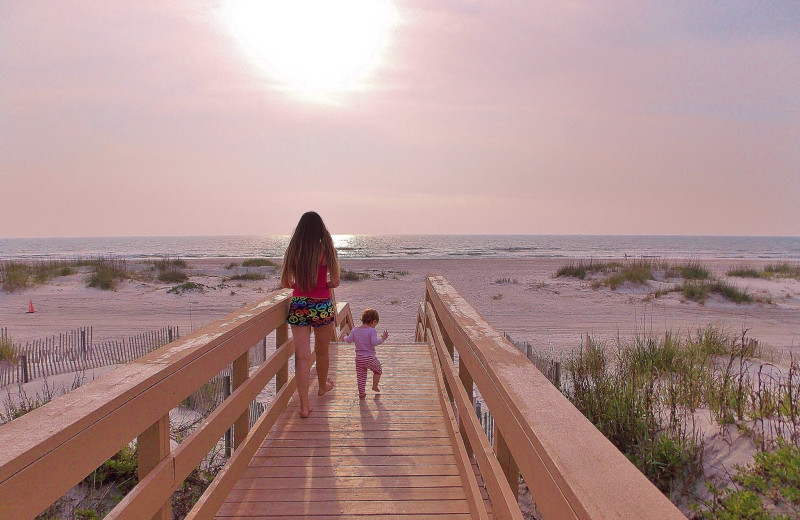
[[414, 246]]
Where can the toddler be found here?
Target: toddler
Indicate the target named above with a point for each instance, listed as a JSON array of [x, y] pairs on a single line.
[[366, 339]]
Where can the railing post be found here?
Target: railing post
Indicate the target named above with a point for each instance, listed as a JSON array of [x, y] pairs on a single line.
[[241, 371], [226, 393], [281, 335], [152, 447], [510, 468], [466, 380]]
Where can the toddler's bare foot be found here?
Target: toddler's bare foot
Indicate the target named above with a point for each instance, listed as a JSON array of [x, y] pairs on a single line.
[[304, 413], [375, 387], [362, 396], [328, 387]]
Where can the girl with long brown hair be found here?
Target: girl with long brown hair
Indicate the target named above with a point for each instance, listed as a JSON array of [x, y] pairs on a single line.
[[311, 268]]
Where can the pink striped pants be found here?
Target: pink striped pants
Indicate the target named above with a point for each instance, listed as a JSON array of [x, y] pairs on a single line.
[[362, 364]]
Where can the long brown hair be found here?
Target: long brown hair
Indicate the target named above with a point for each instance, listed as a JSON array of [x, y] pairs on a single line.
[[310, 241]]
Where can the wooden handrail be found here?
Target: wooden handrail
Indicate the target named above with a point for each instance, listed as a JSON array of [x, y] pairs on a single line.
[[51, 449], [572, 470]]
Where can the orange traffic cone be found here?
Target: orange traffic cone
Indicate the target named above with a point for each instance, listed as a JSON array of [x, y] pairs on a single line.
[[30, 307]]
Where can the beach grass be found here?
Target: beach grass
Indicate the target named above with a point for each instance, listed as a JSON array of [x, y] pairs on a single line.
[[168, 263], [506, 280], [581, 268], [769, 271], [643, 395], [8, 352], [692, 270], [16, 275], [259, 262], [699, 292], [247, 276], [353, 276], [108, 271]]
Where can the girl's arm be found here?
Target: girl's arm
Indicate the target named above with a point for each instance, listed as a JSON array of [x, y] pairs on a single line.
[[335, 279], [350, 337], [286, 283]]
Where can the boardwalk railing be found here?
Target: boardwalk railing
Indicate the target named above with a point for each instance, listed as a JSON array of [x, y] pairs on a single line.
[[572, 470], [46, 452]]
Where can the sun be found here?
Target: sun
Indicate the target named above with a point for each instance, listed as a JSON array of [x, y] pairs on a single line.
[[318, 46]]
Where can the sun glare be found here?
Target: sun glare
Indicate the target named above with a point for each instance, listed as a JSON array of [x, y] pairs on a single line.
[[317, 46]]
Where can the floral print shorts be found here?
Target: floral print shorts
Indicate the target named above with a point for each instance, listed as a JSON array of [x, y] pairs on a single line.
[[304, 311]]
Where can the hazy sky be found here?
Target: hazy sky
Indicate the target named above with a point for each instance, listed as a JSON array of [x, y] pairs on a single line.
[[593, 117]]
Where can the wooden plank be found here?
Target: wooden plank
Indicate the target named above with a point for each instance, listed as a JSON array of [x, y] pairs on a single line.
[[439, 516], [353, 471], [347, 442], [330, 451], [343, 507], [361, 481], [350, 461], [352, 494]]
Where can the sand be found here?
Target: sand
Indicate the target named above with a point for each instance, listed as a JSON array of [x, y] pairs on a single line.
[[533, 307]]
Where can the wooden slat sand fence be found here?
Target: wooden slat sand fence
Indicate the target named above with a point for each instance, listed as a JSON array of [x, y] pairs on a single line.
[[74, 350]]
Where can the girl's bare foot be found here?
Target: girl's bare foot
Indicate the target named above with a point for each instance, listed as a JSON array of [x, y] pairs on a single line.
[[362, 396], [304, 414], [375, 387], [328, 387]]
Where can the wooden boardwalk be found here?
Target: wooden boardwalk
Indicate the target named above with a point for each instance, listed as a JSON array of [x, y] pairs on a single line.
[[386, 456]]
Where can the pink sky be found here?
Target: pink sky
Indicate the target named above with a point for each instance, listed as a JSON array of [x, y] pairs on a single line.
[[649, 117]]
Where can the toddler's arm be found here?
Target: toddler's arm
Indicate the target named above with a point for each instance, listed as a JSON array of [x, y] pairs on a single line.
[[350, 337], [374, 337]]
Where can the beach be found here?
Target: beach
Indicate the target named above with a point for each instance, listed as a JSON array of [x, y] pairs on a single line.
[[518, 296]]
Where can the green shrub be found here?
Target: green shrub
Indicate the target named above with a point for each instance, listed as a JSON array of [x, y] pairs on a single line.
[[87, 514], [259, 262], [14, 276], [768, 489], [186, 287], [121, 469], [172, 276], [8, 352]]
